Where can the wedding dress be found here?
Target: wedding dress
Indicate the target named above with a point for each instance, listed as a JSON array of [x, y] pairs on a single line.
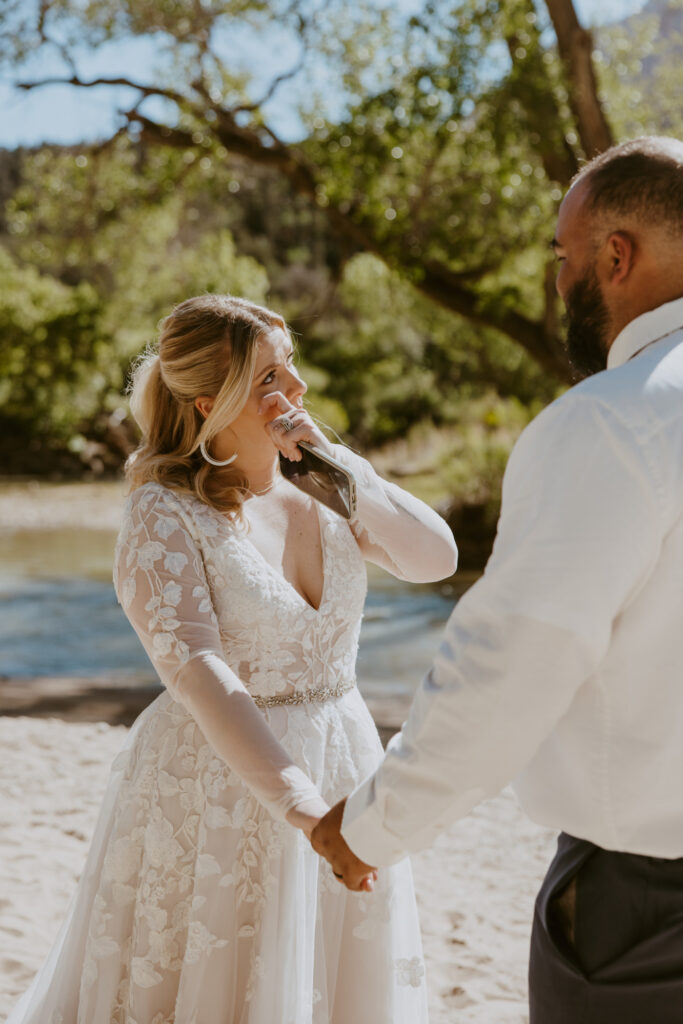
[[201, 902]]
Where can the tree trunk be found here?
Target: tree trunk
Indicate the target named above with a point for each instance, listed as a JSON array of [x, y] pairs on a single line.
[[576, 47]]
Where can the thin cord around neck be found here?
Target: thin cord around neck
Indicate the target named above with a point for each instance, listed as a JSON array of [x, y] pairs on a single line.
[[265, 490]]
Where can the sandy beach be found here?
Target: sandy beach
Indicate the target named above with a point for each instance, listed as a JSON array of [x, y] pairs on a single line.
[[42, 504], [475, 887]]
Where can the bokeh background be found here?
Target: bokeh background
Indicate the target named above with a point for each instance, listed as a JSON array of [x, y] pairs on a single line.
[[386, 174]]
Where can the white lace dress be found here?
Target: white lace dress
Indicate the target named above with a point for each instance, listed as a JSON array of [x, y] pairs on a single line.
[[201, 902]]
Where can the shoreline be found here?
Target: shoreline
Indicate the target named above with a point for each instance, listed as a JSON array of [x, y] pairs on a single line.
[[45, 505], [118, 698]]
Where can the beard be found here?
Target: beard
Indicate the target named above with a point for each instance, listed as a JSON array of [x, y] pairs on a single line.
[[587, 322]]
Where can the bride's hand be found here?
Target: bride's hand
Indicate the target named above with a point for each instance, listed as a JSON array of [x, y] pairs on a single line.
[[328, 842], [288, 424]]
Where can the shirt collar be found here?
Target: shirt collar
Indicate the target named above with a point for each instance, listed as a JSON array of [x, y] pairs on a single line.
[[645, 329]]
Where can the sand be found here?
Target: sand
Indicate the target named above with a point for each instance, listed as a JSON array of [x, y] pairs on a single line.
[[475, 887], [43, 505]]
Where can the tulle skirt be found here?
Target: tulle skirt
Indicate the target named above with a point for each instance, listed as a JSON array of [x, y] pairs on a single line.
[[197, 907]]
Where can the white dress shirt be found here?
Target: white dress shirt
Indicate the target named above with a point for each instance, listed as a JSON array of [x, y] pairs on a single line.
[[562, 667]]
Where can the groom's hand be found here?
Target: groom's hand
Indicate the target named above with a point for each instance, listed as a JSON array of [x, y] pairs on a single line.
[[326, 840]]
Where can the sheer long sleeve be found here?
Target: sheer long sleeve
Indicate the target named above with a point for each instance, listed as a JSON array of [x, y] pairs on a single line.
[[395, 530], [160, 581]]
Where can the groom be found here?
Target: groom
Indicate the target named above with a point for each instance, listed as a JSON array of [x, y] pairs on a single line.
[[562, 668]]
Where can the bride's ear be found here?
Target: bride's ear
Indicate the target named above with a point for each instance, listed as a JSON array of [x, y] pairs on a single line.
[[204, 405]]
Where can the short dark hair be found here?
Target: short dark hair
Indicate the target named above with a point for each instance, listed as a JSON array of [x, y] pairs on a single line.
[[642, 178]]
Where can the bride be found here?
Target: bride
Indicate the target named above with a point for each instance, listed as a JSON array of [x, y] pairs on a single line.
[[202, 901]]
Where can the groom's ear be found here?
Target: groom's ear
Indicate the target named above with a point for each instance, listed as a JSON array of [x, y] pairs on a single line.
[[620, 256]]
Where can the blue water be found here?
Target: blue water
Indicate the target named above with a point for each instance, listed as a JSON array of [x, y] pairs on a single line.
[[57, 627], [59, 617], [75, 627]]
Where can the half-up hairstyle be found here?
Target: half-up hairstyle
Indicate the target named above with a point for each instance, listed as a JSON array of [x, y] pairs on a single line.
[[207, 346]]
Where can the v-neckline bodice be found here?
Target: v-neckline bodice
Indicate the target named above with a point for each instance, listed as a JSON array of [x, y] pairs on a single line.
[[287, 583]]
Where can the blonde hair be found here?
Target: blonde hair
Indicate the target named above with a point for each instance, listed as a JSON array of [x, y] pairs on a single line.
[[207, 346]]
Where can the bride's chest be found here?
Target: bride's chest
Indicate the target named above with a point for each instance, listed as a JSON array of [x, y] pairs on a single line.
[[251, 591], [290, 541]]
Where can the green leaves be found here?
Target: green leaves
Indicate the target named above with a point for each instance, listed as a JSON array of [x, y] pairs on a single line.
[[52, 366], [104, 245], [437, 142], [395, 360]]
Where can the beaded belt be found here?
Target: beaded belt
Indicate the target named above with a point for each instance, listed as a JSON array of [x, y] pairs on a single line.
[[318, 696]]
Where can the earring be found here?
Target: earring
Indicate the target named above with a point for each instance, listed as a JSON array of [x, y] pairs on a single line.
[[215, 462]]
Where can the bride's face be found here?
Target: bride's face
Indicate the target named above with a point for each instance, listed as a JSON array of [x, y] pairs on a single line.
[[274, 371]]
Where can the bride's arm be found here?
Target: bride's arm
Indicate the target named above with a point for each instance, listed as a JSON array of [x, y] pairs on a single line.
[[160, 582], [395, 530]]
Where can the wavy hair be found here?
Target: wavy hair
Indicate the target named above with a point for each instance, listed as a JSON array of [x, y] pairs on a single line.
[[207, 346]]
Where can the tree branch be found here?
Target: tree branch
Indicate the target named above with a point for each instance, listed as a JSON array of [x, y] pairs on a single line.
[[446, 288], [439, 282], [146, 90], [531, 86], [272, 89], [44, 10], [575, 44]]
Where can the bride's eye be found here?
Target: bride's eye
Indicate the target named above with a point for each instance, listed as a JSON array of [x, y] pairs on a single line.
[[270, 377]]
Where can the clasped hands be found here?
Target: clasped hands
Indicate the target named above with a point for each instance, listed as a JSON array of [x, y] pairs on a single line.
[[327, 841]]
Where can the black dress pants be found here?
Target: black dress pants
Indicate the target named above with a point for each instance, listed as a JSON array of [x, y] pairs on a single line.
[[607, 939]]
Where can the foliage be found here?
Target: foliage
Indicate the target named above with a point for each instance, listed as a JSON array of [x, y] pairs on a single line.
[[53, 370], [115, 224], [403, 233], [465, 459], [378, 356], [430, 156], [641, 72], [452, 131], [117, 221], [459, 468], [394, 359]]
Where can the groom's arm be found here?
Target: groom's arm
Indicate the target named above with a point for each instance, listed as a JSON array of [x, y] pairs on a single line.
[[580, 530]]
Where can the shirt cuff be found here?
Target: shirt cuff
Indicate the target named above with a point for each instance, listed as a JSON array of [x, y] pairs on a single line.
[[364, 831], [302, 814]]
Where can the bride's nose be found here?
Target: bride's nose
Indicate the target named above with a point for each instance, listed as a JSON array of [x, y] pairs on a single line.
[[296, 387]]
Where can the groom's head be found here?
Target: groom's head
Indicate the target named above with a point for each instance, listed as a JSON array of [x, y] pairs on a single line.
[[619, 241]]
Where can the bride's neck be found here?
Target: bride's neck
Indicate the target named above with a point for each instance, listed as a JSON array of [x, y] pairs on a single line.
[[262, 477]]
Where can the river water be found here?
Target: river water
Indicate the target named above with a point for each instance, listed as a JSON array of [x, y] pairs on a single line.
[[59, 615]]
